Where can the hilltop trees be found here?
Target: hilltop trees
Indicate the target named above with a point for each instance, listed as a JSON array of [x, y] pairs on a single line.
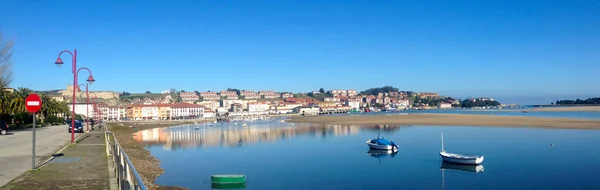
[[469, 103], [375, 91], [590, 101]]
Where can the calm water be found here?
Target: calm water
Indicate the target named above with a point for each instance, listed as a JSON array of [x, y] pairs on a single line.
[[285, 156], [507, 112]]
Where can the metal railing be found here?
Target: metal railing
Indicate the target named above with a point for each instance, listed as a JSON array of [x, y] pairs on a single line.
[[127, 177]]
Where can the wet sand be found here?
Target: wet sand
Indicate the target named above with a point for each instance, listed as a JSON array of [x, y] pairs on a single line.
[[146, 164], [452, 120]]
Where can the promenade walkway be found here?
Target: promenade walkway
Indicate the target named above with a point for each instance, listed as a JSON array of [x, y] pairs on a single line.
[[81, 166]]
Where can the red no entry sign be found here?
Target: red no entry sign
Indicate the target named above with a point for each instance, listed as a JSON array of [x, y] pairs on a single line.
[[33, 103]]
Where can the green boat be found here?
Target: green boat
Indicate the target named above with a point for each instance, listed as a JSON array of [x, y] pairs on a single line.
[[228, 178]]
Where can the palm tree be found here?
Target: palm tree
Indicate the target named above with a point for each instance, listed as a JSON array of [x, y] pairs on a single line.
[[17, 103]]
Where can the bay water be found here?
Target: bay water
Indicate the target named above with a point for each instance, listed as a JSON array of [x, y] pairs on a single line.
[[276, 155]]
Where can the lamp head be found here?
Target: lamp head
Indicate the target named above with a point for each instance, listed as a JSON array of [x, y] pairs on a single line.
[[58, 62], [91, 79]]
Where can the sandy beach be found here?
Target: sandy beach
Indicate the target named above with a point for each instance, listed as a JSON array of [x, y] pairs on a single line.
[[573, 108], [452, 120]]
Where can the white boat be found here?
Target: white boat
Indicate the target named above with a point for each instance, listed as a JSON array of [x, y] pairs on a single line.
[[381, 144], [457, 158]]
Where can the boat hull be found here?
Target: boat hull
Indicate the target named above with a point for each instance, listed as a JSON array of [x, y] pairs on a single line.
[[379, 146], [228, 178], [470, 161]]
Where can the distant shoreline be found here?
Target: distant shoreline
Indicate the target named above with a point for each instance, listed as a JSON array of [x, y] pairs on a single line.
[[452, 120], [545, 109]]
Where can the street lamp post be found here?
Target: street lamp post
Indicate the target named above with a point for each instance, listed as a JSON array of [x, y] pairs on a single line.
[[96, 109], [87, 105], [74, 70]]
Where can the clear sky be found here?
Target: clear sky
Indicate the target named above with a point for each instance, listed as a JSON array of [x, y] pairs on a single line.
[[498, 48]]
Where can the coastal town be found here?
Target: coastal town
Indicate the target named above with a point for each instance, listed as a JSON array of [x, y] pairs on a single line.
[[176, 105]]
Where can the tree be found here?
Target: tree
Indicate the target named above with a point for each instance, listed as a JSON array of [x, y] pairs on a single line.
[[237, 91], [148, 92], [6, 72], [321, 90], [375, 91]]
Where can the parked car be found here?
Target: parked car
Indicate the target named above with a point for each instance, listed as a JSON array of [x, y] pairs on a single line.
[[3, 128], [78, 126]]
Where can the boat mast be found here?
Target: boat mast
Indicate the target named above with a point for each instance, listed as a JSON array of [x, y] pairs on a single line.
[[443, 143]]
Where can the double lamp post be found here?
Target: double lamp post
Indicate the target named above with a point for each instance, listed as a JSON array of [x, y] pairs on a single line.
[[75, 72]]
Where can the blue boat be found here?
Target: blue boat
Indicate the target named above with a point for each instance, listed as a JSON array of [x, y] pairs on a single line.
[[381, 144]]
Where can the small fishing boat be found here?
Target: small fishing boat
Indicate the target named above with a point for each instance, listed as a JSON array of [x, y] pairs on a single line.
[[381, 144], [458, 158], [228, 178]]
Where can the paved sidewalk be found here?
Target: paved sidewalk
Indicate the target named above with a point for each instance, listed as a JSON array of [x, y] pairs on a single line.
[[83, 166]]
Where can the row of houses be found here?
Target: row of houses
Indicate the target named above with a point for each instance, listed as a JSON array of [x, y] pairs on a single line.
[[144, 111], [246, 94]]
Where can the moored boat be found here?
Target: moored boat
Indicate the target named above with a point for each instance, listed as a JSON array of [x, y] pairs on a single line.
[[229, 178], [381, 144], [458, 158]]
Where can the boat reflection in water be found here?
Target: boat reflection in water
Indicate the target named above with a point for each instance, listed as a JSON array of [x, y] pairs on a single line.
[[382, 153], [461, 167], [238, 134], [458, 167], [379, 154]]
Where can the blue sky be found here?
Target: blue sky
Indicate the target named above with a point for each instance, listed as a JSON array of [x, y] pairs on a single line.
[[499, 48]]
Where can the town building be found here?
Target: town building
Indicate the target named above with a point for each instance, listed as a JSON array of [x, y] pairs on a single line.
[[83, 109], [270, 95], [307, 110], [251, 96], [353, 103], [189, 97], [227, 93], [261, 92], [210, 95], [352, 92], [258, 108], [287, 95], [112, 112], [444, 105], [185, 111], [331, 99]]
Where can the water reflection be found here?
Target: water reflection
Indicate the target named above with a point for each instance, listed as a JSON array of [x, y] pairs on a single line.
[[382, 153], [228, 185], [237, 134], [461, 167]]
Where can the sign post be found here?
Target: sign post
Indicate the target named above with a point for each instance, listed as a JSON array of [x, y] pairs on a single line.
[[33, 103]]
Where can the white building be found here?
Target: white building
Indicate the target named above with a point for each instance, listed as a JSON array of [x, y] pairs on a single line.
[[208, 114], [185, 111], [403, 103], [308, 110], [445, 105], [112, 112], [150, 112], [353, 103], [258, 108], [83, 109]]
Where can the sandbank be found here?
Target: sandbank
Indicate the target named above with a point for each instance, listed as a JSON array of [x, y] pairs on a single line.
[[451, 120], [570, 108]]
